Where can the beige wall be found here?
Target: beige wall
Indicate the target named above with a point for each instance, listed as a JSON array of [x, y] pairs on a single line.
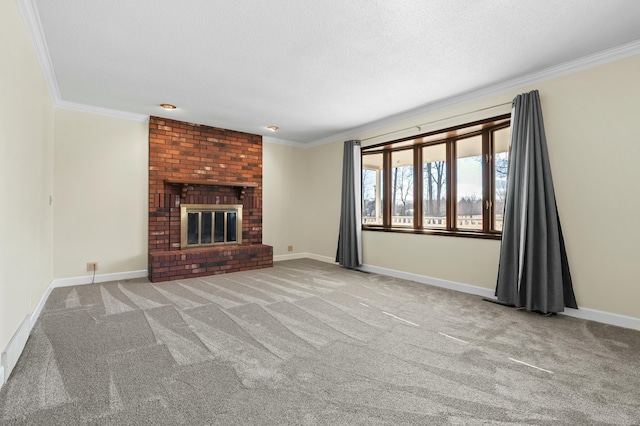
[[99, 210], [591, 125], [26, 176], [324, 175], [284, 198], [101, 204]]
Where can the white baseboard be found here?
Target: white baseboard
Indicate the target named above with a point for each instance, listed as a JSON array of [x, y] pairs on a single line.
[[16, 345], [603, 317], [66, 282], [583, 313], [36, 312], [101, 278], [320, 258], [293, 256], [423, 279]]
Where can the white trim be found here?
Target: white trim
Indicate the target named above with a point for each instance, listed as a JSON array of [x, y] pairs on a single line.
[[598, 316], [292, 256], [603, 317], [14, 348], [36, 312], [72, 106], [16, 345], [66, 282], [31, 19], [116, 276], [582, 313], [325, 259], [437, 282], [586, 62], [286, 142]]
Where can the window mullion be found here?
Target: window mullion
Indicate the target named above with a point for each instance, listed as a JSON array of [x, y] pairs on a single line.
[[386, 195], [486, 182], [452, 193], [417, 188]]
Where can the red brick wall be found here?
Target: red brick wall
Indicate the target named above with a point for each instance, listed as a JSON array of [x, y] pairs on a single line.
[[179, 150], [180, 264]]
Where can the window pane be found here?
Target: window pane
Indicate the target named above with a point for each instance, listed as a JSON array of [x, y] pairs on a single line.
[[434, 186], [192, 228], [205, 233], [469, 182], [218, 235], [402, 188], [231, 227], [372, 189], [501, 158]]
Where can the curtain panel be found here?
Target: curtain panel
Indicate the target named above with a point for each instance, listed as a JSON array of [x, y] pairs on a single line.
[[534, 270], [349, 252]]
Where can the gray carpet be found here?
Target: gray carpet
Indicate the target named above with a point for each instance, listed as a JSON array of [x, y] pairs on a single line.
[[309, 343]]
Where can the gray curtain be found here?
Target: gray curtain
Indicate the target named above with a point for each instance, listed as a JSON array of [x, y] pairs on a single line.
[[350, 234], [534, 271]]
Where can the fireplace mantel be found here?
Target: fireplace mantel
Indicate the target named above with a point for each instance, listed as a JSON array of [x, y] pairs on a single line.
[[242, 186]]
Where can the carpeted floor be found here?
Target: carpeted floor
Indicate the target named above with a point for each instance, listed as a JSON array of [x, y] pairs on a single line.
[[309, 343]]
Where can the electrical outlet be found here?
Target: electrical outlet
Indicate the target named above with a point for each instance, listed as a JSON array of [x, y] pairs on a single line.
[[290, 248], [92, 266]]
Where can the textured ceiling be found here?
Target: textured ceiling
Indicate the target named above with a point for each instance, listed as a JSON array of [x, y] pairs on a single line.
[[313, 68]]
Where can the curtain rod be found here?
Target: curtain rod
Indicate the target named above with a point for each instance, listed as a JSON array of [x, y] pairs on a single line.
[[419, 126]]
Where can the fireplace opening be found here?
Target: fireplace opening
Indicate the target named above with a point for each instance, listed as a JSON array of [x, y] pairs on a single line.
[[203, 225]]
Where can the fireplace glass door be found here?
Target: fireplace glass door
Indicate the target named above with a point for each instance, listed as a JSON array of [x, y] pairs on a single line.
[[207, 225]]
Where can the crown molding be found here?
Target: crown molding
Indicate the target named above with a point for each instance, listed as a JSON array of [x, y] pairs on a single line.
[[31, 18], [101, 111], [586, 62], [286, 142]]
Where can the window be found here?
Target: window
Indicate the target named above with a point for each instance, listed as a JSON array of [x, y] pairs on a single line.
[[450, 182], [501, 161], [372, 189], [402, 188], [434, 188]]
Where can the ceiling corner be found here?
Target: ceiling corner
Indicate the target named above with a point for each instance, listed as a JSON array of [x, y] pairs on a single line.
[[31, 18]]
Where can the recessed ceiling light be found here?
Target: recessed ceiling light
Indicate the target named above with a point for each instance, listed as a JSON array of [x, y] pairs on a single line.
[[168, 106], [272, 128]]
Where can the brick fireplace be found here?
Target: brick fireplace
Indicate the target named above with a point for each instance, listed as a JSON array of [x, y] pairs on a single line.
[[192, 164]]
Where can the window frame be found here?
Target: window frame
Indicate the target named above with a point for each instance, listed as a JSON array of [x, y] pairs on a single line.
[[447, 137]]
